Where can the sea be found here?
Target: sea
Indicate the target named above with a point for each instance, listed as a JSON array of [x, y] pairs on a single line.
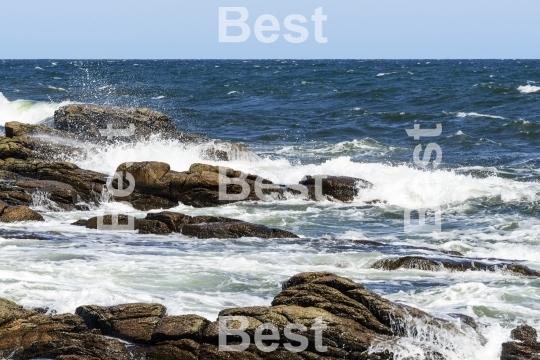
[[303, 117]]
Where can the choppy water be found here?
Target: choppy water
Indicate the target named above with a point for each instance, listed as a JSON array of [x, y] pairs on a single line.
[[302, 117]]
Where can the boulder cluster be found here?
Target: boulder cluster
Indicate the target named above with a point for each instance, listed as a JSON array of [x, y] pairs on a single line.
[[354, 322]]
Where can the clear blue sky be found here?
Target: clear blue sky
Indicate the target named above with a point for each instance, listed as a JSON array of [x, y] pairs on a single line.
[[181, 29]]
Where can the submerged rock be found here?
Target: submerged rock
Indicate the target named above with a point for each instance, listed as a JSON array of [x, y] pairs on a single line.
[[462, 264], [202, 227], [352, 322], [526, 346]]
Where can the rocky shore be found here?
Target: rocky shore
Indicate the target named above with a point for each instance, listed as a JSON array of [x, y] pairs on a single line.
[[358, 324], [35, 170]]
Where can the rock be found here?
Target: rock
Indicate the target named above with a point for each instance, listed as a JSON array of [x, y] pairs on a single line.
[[351, 321], [41, 142], [26, 334], [18, 190], [63, 177], [92, 223], [93, 123], [231, 230], [202, 227], [172, 328], [11, 148], [526, 346], [356, 319], [130, 322], [341, 188], [206, 227], [438, 264], [19, 213], [198, 187], [3, 206], [525, 333]]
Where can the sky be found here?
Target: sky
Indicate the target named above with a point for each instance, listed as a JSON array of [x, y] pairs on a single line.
[[354, 29]]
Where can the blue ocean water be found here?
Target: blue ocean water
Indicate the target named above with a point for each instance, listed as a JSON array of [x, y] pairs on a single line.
[[337, 117], [488, 108]]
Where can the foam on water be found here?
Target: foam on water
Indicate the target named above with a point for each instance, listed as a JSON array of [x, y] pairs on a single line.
[[26, 111], [528, 89], [399, 185], [477, 115]]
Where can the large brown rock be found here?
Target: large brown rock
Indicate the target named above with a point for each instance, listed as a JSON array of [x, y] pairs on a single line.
[[25, 334], [197, 187], [89, 122], [354, 322], [525, 346], [13, 148], [200, 186], [18, 213], [87, 184], [130, 322], [41, 142], [18, 190]]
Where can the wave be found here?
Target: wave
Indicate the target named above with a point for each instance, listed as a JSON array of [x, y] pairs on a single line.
[[398, 185], [363, 147], [26, 111], [384, 74], [477, 115], [528, 89]]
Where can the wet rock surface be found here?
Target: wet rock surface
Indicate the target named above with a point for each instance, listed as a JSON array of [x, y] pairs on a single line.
[[19, 190], [64, 179], [9, 214], [525, 346], [349, 318], [452, 264], [202, 227], [341, 188], [96, 123], [200, 186], [26, 334]]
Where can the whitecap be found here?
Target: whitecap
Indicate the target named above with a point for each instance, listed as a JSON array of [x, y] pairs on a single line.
[[477, 115], [528, 89], [384, 74], [159, 97], [27, 111]]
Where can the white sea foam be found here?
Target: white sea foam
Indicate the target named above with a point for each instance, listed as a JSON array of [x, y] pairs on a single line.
[[528, 89], [159, 97], [27, 111], [477, 115], [402, 186]]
